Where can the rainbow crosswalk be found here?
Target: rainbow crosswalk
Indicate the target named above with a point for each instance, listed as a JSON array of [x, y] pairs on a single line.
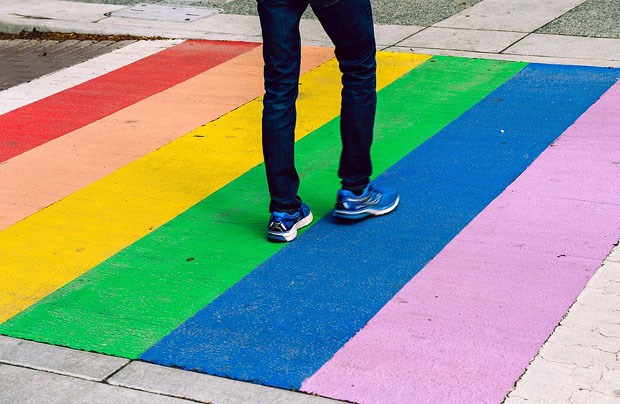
[[134, 208]]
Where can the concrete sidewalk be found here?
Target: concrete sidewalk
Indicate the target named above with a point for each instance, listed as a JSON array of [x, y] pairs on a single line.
[[580, 363], [530, 30]]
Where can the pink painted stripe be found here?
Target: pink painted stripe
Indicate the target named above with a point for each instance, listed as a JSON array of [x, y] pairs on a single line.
[[466, 327]]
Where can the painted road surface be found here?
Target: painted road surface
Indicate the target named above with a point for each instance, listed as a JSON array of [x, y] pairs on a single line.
[[136, 228]]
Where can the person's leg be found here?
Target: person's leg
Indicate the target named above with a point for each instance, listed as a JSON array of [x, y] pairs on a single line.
[[349, 24], [282, 55]]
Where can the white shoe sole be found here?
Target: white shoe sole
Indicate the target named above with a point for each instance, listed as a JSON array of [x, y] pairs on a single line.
[[291, 234], [360, 214]]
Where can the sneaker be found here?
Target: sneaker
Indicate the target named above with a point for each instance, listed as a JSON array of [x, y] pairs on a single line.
[[372, 202], [283, 226]]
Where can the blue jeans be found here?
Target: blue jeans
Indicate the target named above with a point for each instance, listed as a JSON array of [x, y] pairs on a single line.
[[349, 25]]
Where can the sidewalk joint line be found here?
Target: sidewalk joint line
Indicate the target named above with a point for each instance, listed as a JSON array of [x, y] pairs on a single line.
[[407, 37], [156, 393], [101, 382], [482, 30], [296, 392], [514, 43], [114, 373], [15, 365]]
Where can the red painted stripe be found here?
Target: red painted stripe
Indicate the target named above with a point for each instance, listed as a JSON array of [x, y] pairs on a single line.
[[49, 118]]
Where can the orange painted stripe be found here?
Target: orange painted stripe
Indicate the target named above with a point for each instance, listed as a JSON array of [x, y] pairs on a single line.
[[52, 171]]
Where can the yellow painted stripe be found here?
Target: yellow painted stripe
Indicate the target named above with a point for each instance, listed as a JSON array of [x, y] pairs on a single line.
[[54, 246]]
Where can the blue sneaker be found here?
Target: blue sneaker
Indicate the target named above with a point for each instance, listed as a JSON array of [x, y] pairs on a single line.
[[283, 226], [372, 202]]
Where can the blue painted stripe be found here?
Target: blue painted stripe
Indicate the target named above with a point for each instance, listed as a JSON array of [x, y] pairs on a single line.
[[288, 317]]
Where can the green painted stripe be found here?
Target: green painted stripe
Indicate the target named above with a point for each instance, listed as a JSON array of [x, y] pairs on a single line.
[[138, 296]]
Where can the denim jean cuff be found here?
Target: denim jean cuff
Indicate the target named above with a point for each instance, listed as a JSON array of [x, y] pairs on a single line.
[[355, 186]]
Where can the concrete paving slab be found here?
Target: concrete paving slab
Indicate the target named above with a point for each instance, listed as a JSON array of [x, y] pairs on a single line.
[[615, 257], [586, 339], [591, 397], [205, 388], [57, 10], [216, 27], [402, 12], [25, 386], [605, 301], [463, 39], [594, 18], [502, 15], [157, 12], [389, 35], [584, 317], [222, 25], [554, 383], [91, 18], [312, 33], [580, 363], [246, 28], [582, 356], [34, 355], [567, 46], [11, 23]]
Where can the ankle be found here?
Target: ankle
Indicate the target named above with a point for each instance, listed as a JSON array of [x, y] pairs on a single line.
[[356, 190]]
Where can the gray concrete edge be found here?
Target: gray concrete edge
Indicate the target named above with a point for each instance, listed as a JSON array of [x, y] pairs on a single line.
[[140, 376], [465, 42]]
